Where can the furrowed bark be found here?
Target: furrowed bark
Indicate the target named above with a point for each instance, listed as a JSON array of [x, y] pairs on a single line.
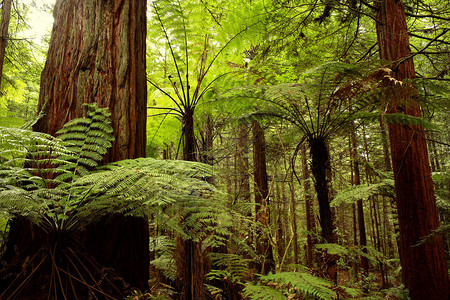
[[97, 55], [424, 267]]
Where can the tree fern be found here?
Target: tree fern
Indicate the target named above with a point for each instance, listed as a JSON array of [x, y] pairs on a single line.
[[57, 185]]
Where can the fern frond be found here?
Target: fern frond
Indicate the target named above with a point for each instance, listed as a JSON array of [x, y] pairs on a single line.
[[89, 138], [231, 266], [263, 292], [303, 282], [163, 248], [365, 191], [297, 284]]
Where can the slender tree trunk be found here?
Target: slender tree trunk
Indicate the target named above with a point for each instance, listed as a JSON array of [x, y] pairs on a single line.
[[320, 161], [359, 205], [308, 209], [385, 144], [188, 253], [207, 155], [263, 245], [294, 217], [243, 175], [97, 54], [424, 267], [391, 206], [228, 180], [4, 25]]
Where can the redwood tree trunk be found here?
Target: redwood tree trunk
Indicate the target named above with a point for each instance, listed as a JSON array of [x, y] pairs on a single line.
[[242, 176], [424, 266], [263, 245], [97, 54], [4, 25]]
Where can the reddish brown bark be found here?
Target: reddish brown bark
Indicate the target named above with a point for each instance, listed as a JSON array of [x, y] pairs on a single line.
[[424, 266], [97, 54], [242, 168], [4, 25], [263, 245]]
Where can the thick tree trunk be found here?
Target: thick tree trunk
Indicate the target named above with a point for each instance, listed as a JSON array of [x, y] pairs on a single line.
[[97, 54], [424, 266], [320, 160], [263, 245], [4, 25]]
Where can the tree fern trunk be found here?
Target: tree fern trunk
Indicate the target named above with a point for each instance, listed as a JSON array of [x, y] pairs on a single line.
[[97, 54], [188, 253], [424, 266], [320, 159]]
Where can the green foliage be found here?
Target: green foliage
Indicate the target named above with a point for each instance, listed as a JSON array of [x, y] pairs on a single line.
[[88, 139], [364, 192], [24, 61], [317, 103], [263, 292], [233, 267], [55, 181], [56, 184], [163, 247], [290, 284]]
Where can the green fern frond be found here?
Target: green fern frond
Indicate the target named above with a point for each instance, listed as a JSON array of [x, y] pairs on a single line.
[[403, 119], [231, 266], [333, 249], [365, 191], [89, 138], [303, 282], [263, 292], [291, 284], [163, 248]]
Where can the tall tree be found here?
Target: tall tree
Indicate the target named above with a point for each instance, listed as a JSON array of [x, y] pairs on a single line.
[[308, 208], [4, 25], [97, 54], [359, 203], [263, 245], [424, 266]]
